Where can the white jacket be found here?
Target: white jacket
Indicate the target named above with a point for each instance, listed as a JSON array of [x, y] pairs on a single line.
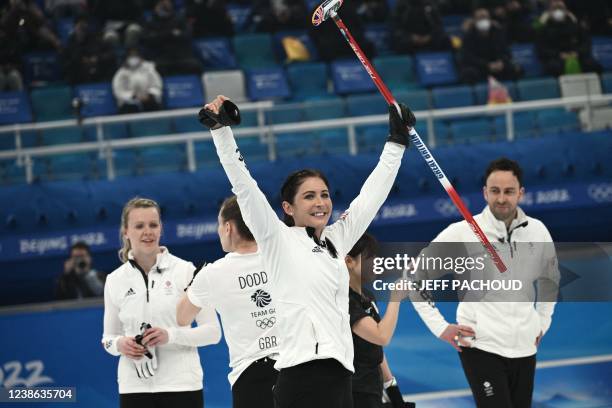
[[506, 328], [130, 300], [310, 286], [143, 79]]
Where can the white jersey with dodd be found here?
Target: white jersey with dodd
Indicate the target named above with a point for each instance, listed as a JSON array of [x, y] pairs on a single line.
[[238, 288]]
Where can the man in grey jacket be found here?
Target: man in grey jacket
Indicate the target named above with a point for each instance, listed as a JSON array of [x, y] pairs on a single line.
[[498, 332]]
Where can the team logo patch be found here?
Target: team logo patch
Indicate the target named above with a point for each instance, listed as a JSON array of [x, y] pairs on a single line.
[[488, 389], [266, 323], [130, 292], [168, 287], [261, 298], [317, 249], [108, 344]]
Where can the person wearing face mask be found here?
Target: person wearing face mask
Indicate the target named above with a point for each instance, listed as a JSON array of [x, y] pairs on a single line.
[[498, 333], [87, 58], [239, 289], [159, 364], [137, 85], [485, 51], [167, 40], [417, 26], [304, 258], [562, 42], [513, 16]]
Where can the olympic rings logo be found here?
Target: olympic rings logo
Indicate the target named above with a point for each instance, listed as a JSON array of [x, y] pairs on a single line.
[[446, 207], [601, 193], [266, 323]]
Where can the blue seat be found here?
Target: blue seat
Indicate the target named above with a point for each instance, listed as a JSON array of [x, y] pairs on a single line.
[[300, 35], [534, 89], [284, 114], [97, 99], [64, 27], [333, 141], [452, 97], [254, 51], [525, 55], [296, 145], [436, 68], [74, 166], [239, 14], [125, 162], [161, 159], [66, 135], [325, 109], [61, 108], [349, 77], [188, 124], [470, 130], [253, 149], [397, 72], [453, 24], [380, 36], [308, 80], [206, 154], [41, 66], [267, 83], [371, 138], [14, 108], [151, 127], [606, 82], [215, 53], [109, 131], [557, 120], [602, 51], [481, 92], [416, 100], [183, 91], [363, 105], [525, 125], [248, 119]]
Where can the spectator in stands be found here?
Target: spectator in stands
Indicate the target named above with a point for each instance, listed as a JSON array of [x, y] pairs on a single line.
[[277, 15], [80, 279], [209, 17], [137, 85], [373, 11], [87, 58], [24, 23], [563, 45], [513, 16], [595, 15], [65, 8], [119, 18], [331, 44], [417, 26], [485, 51], [10, 77], [455, 6], [167, 41]]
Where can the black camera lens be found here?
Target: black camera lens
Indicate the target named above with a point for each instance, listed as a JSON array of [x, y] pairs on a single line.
[[82, 264]]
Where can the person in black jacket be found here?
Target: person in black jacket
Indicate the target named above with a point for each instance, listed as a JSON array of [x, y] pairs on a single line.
[[79, 279], [417, 26], [561, 38], [485, 51]]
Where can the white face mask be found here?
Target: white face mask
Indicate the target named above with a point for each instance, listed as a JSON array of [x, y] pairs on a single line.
[[483, 25], [133, 61], [558, 15]]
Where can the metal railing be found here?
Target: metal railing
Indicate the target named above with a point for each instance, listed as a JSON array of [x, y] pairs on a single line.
[[105, 147]]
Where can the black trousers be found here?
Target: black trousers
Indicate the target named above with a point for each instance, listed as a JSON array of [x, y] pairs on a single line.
[[315, 384], [364, 400], [182, 399], [254, 386], [496, 381]]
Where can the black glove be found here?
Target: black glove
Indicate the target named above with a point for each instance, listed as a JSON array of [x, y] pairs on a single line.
[[229, 115], [395, 396], [399, 126]]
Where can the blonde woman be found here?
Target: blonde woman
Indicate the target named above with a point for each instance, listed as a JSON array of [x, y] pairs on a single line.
[[159, 363]]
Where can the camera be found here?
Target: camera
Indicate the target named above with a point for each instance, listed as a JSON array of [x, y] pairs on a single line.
[[81, 263]]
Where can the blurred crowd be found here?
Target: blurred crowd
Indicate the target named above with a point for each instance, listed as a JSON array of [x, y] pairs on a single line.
[[136, 42]]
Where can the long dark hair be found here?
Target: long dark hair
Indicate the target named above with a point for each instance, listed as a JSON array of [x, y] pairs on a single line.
[[292, 184], [230, 211]]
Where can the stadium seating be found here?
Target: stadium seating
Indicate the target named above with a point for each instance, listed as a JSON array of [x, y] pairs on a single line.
[[416, 100], [481, 92], [60, 108], [470, 130], [380, 36], [267, 84], [64, 27], [397, 72], [326, 109], [228, 83], [14, 108], [557, 120], [435, 68], [350, 77], [525, 55], [525, 125], [75, 166], [308, 80], [254, 51], [151, 127], [534, 89], [452, 97], [602, 51], [239, 14], [63, 135], [161, 159], [184, 91], [289, 113], [606, 82], [215, 53], [41, 67], [97, 99]]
